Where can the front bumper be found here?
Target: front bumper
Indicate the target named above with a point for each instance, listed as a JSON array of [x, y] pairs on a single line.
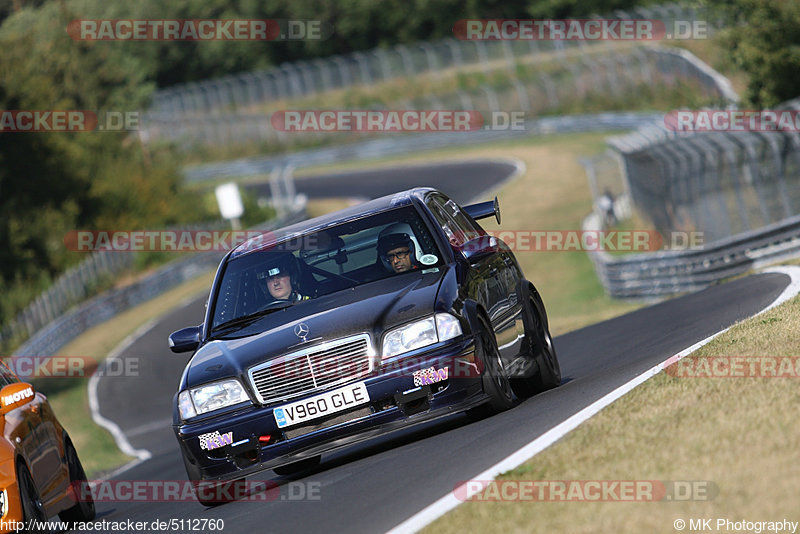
[[395, 402]]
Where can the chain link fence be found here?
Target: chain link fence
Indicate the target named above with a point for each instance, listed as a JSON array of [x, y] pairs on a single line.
[[739, 190], [72, 287], [718, 183], [614, 76], [243, 92], [226, 112], [536, 77]]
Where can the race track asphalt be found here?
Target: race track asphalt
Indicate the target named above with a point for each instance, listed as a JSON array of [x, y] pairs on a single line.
[[374, 486]]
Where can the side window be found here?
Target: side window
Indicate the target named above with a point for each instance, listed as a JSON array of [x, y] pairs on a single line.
[[457, 226], [470, 228], [444, 221]]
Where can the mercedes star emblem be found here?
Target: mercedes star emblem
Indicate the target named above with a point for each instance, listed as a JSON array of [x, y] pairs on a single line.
[[301, 331]]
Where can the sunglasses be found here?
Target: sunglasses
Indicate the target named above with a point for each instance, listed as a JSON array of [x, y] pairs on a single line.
[[397, 255]]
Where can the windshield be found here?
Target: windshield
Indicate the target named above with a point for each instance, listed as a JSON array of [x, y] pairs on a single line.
[[390, 243]]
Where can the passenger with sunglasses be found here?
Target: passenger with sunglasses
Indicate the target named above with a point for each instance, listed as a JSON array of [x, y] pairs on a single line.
[[396, 252]]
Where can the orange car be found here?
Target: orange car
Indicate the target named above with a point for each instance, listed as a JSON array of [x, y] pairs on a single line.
[[39, 467]]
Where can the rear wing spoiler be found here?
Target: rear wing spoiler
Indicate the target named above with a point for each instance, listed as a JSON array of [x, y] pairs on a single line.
[[482, 210]]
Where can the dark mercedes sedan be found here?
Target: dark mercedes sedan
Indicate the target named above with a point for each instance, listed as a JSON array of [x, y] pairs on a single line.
[[351, 325]]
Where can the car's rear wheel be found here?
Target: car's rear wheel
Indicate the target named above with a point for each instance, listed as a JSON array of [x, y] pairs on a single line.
[[32, 506], [83, 510], [496, 383], [542, 350], [298, 467]]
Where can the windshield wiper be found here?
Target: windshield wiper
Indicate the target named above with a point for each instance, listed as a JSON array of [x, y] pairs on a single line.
[[247, 319]]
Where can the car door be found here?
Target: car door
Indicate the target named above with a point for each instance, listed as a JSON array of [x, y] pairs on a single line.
[[50, 471]]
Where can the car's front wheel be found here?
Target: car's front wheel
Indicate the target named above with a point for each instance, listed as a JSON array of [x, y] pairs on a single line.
[[496, 383], [83, 510], [32, 506], [542, 350]]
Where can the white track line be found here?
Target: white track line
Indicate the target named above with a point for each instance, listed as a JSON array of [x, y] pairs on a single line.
[[94, 406], [432, 512]]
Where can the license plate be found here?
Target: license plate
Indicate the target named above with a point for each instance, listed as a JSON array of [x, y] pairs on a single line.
[[321, 405]]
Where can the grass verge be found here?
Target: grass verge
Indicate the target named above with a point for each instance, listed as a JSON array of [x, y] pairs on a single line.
[[736, 433]]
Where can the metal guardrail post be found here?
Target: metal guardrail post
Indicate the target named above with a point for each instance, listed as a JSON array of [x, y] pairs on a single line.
[[363, 67], [775, 145]]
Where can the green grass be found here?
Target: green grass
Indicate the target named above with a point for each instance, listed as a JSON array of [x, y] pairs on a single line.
[[737, 434]]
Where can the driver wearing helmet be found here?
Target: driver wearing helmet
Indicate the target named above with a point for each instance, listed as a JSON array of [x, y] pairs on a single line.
[[280, 280], [396, 252]]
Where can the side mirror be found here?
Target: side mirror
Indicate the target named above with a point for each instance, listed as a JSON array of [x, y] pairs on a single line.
[[185, 339], [483, 210], [480, 248], [15, 395]]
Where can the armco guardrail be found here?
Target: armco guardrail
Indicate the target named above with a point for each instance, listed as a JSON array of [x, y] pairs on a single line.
[[665, 273], [739, 190], [70, 288], [67, 327], [81, 281], [392, 145]]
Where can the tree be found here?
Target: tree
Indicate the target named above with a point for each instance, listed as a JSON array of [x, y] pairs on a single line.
[[762, 37]]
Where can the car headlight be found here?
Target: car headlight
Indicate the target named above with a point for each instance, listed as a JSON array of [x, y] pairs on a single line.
[[210, 397], [418, 334]]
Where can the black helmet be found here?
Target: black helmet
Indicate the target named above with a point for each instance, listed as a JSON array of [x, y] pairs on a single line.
[[390, 242], [280, 264]]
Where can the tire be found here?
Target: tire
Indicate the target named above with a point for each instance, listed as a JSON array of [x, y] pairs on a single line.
[[496, 383], [542, 350], [209, 494], [298, 467], [32, 506], [83, 510]]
